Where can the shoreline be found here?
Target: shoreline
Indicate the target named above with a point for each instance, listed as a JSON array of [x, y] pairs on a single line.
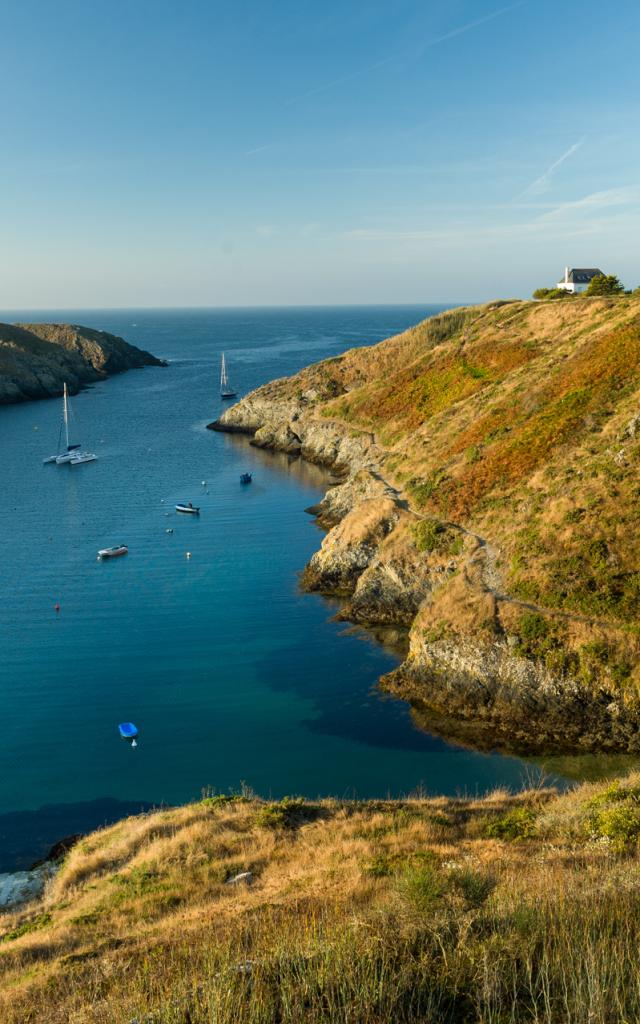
[[475, 685]]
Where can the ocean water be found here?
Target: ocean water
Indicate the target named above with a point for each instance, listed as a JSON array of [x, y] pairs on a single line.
[[231, 673]]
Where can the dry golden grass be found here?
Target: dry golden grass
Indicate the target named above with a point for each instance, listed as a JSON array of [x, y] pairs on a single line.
[[512, 420], [518, 908]]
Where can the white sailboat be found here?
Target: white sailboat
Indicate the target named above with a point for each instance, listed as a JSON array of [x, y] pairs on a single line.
[[71, 453], [226, 390]]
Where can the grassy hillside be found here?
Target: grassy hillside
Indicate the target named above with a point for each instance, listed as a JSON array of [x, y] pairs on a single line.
[[504, 909], [512, 431]]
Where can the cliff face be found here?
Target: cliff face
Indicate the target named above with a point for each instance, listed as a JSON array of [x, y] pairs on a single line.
[[37, 359], [488, 461]]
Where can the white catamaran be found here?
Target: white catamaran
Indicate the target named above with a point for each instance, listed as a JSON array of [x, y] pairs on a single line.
[[226, 391], [71, 453]]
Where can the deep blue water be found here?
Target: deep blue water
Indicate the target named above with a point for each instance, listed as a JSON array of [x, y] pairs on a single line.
[[230, 673]]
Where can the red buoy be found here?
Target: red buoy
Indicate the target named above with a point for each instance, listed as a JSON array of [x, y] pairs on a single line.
[[57, 606]]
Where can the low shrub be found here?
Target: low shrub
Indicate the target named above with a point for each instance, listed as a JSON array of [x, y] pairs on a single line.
[[474, 887], [620, 825], [41, 921], [421, 885], [516, 824], [286, 813], [430, 535]]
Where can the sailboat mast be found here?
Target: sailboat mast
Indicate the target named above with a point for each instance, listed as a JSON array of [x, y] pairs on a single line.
[[66, 416], [223, 375]]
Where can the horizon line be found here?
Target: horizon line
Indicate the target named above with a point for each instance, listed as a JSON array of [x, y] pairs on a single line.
[[274, 305]]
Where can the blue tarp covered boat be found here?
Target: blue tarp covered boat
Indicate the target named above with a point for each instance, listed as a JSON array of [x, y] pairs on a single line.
[[128, 731]]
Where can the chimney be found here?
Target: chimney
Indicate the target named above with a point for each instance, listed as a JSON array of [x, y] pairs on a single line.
[[566, 275]]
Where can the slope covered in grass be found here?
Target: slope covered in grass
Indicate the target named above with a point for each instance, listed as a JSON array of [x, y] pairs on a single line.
[[497, 447], [507, 908]]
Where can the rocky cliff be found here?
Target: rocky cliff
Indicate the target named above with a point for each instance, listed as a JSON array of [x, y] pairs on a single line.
[[37, 359], [488, 467]]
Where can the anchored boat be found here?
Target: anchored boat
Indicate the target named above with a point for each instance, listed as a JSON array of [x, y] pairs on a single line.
[[226, 391], [119, 549], [128, 731], [245, 478], [71, 452], [186, 506]]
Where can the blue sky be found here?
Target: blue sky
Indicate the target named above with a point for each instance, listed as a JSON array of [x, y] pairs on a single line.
[[208, 153]]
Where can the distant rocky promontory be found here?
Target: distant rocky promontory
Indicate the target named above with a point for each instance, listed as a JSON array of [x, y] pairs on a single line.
[[37, 359]]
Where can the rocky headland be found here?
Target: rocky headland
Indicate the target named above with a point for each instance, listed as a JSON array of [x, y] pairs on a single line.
[[488, 468], [37, 359]]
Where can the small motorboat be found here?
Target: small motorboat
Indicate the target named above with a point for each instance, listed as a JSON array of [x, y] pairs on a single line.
[[186, 506], [128, 731], [119, 549], [245, 478]]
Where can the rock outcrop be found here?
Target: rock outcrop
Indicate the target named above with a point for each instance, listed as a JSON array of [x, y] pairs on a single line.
[[37, 359]]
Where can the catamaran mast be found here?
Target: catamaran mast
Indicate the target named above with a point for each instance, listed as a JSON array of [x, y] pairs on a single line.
[[66, 416]]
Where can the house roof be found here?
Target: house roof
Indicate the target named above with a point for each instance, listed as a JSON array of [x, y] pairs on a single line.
[[582, 275]]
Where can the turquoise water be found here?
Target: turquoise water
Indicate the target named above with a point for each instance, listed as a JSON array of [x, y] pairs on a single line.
[[230, 673]]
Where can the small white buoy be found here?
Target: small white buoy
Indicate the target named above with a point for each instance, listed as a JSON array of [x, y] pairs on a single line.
[[204, 483], [188, 554], [162, 501]]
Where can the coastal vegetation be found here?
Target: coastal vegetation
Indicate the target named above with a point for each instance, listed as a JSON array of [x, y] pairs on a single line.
[[600, 284], [490, 465], [507, 908]]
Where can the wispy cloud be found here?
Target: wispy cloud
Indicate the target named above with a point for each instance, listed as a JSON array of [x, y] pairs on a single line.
[[543, 183], [259, 149], [624, 195], [340, 81], [343, 79], [472, 24], [590, 216]]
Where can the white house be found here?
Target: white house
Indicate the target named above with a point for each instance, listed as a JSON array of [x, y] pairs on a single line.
[[577, 279]]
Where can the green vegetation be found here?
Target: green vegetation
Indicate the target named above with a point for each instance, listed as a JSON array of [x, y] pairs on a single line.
[[430, 535], [26, 927], [517, 824], [286, 813], [604, 284], [552, 293]]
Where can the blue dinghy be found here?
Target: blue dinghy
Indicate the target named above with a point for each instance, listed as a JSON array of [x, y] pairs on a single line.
[[128, 731]]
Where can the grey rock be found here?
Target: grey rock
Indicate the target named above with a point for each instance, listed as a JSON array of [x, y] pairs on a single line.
[[244, 878]]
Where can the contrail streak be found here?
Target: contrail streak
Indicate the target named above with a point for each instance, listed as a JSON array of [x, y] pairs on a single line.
[[542, 183], [396, 56]]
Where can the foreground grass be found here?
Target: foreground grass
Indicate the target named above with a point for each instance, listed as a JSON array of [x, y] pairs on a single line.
[[509, 908]]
